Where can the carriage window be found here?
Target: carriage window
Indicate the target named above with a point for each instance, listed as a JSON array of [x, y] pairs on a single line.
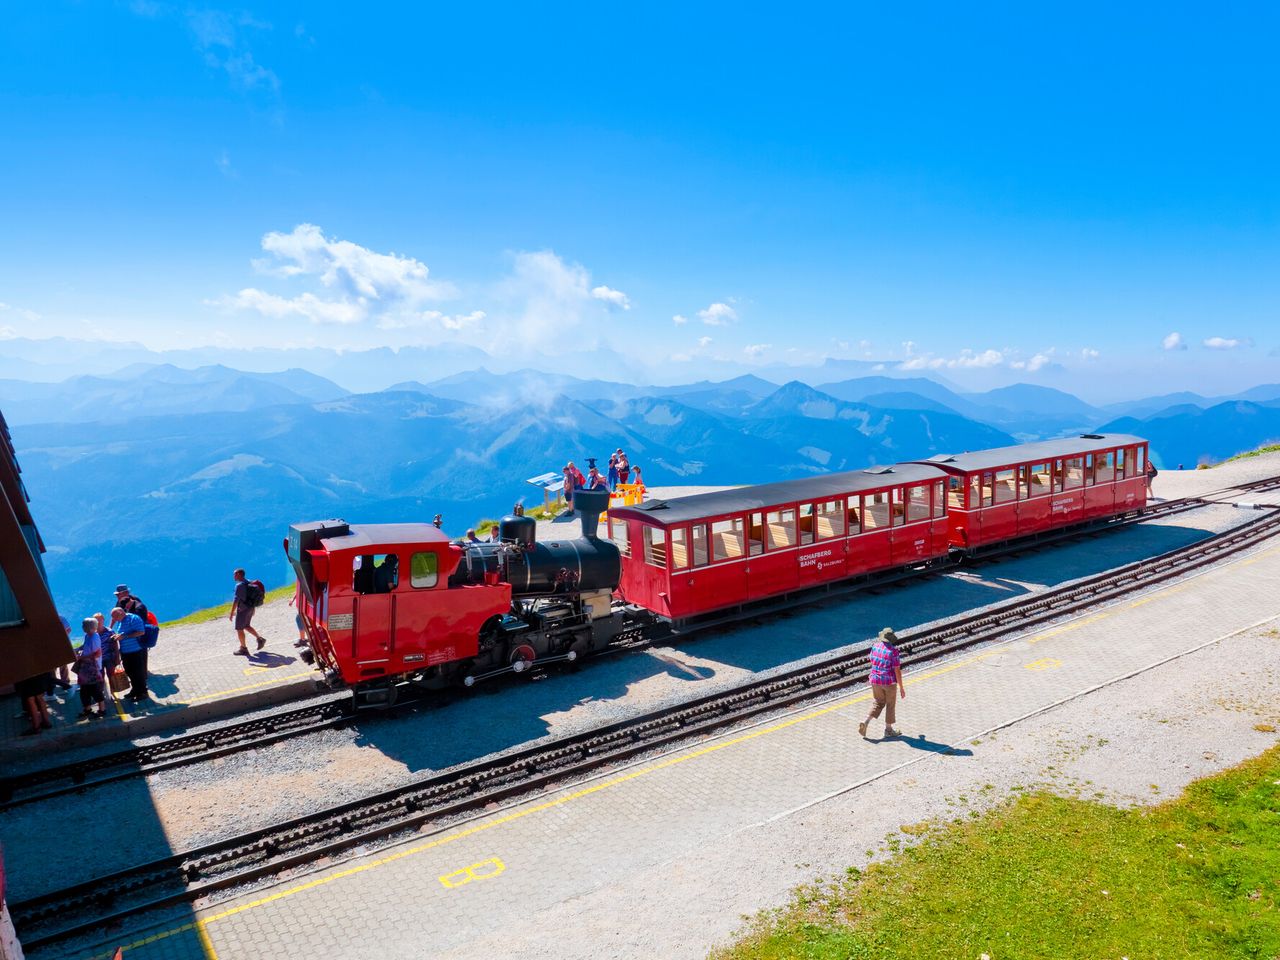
[[781, 526], [755, 534], [1041, 477], [618, 534], [423, 570], [975, 491], [1024, 481], [679, 550], [726, 539], [806, 523], [875, 511], [1073, 475], [855, 518], [955, 493], [1138, 466], [1089, 476], [699, 544], [655, 546], [988, 488], [1120, 464], [899, 511], [918, 502], [1104, 467], [939, 499], [830, 519], [1006, 486], [375, 573]]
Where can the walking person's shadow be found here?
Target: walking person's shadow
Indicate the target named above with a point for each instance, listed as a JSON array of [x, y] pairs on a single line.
[[265, 658], [921, 742]]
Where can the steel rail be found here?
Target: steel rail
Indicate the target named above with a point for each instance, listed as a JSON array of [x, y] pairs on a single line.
[[219, 741], [182, 878]]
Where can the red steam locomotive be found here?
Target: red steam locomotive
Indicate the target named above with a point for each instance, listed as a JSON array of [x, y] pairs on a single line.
[[388, 605]]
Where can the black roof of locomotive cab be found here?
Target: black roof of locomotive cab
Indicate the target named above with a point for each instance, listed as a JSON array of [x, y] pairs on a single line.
[[1036, 452], [367, 535], [762, 496]]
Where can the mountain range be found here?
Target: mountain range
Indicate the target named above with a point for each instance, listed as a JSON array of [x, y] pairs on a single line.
[[169, 478]]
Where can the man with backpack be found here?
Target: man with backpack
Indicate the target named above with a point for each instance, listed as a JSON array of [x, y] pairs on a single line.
[[249, 596]]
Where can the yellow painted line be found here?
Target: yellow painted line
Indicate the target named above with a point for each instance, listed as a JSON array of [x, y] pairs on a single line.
[[483, 826], [250, 686]]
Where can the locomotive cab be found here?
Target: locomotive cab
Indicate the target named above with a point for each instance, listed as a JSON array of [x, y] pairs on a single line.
[[386, 604], [378, 602]]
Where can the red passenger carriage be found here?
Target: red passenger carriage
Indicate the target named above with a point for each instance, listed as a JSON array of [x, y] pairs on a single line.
[[686, 557], [1032, 488]]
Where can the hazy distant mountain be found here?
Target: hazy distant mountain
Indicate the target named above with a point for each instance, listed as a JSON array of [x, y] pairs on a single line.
[[204, 469], [1152, 405], [862, 389], [828, 434], [523, 386], [142, 390], [1190, 435]]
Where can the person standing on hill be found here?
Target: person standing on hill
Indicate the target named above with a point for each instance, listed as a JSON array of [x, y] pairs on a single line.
[[886, 682], [248, 597]]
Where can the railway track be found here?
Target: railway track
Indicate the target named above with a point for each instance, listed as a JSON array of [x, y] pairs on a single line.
[[267, 853], [332, 713]]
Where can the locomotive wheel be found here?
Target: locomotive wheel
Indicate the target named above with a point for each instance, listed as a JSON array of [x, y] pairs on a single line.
[[522, 656]]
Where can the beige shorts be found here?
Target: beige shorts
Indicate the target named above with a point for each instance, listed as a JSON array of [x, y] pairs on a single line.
[[885, 697]]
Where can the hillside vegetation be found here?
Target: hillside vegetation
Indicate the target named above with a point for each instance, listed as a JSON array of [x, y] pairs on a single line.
[[1052, 877]]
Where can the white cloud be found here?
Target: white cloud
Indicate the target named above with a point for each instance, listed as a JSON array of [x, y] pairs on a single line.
[[1038, 361], [967, 358], [547, 297], [1088, 353], [1174, 342], [220, 38], [223, 160], [615, 298], [432, 318], [29, 316], [704, 341], [7, 333], [1226, 343], [679, 320], [306, 305], [363, 284], [756, 350], [718, 315], [349, 267]]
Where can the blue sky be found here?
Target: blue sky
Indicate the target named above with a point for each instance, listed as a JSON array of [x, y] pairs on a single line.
[[995, 193]]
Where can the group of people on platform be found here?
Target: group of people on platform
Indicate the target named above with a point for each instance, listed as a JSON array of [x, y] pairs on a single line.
[[620, 472], [121, 641]]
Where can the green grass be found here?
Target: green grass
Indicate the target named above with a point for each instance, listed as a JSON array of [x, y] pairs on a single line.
[[1273, 448], [542, 513], [222, 609], [1053, 877]]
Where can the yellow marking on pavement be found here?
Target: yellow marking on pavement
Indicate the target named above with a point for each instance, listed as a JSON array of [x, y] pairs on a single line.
[[249, 686], [484, 870], [1044, 663], [671, 761]]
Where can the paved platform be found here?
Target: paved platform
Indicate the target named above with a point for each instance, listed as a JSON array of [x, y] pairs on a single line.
[[194, 677], [504, 879]]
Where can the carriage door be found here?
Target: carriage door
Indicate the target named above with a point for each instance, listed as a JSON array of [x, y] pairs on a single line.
[[373, 577]]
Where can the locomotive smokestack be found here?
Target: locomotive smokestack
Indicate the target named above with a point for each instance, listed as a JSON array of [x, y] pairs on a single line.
[[589, 504]]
